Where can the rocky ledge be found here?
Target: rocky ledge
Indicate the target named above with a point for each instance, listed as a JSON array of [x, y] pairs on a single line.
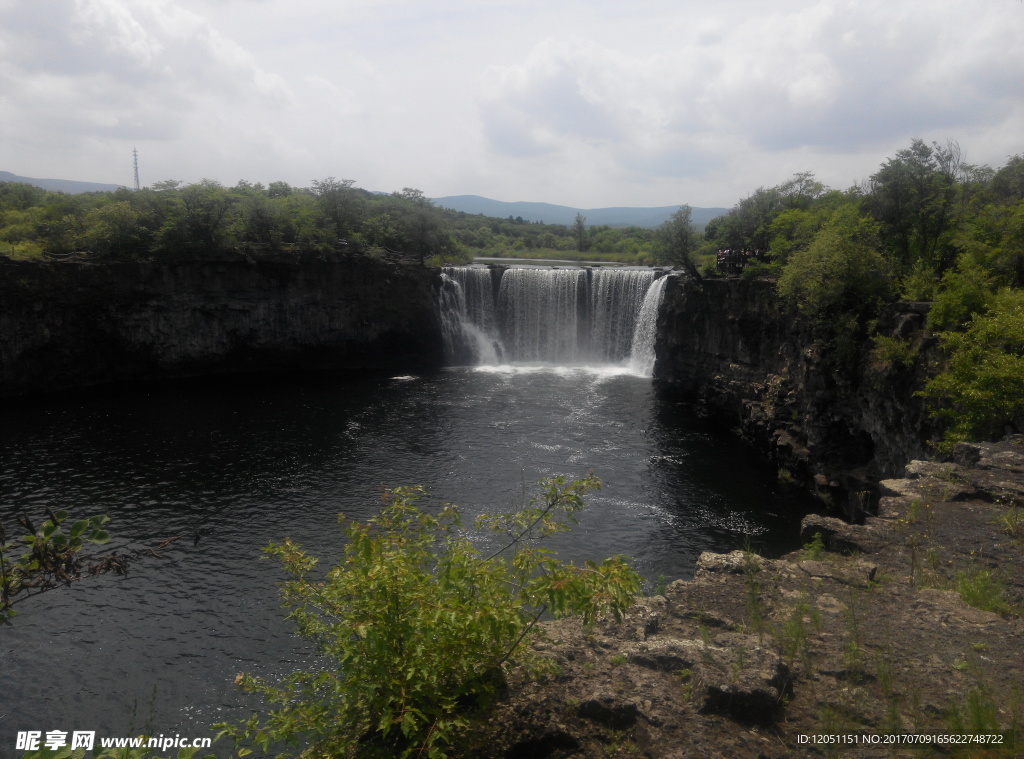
[[910, 623]]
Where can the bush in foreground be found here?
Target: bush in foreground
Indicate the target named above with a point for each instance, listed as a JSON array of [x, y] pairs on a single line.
[[419, 628]]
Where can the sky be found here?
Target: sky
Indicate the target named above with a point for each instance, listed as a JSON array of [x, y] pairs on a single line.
[[586, 104]]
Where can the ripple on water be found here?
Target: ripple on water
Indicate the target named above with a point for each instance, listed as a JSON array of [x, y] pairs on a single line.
[[248, 464]]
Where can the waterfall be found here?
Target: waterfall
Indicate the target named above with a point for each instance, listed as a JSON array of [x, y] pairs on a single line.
[[616, 297], [561, 316], [541, 314], [468, 321], [641, 357]]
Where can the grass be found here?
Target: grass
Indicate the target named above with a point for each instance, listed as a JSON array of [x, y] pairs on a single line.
[[22, 251], [1012, 523], [814, 550], [983, 590], [978, 712], [793, 636], [756, 608]]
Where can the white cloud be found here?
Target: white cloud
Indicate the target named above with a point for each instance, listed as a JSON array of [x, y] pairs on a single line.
[[829, 77], [591, 103]]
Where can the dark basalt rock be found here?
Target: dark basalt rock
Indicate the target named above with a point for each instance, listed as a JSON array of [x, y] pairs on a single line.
[[74, 324], [727, 346]]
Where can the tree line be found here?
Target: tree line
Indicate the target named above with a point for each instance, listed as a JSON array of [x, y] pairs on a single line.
[[174, 218], [170, 217], [926, 226]]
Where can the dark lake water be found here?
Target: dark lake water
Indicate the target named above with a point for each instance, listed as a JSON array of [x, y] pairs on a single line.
[[253, 461]]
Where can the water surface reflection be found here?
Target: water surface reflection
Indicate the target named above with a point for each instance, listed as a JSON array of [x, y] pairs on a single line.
[[251, 461]]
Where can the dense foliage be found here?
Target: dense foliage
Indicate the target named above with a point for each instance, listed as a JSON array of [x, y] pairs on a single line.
[[419, 628], [169, 218], [926, 226], [330, 215], [983, 388]]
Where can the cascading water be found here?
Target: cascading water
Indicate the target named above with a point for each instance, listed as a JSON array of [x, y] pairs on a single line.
[[468, 320], [553, 316], [616, 299], [542, 314], [641, 357]]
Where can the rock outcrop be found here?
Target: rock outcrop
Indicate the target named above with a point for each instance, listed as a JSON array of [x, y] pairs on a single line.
[[727, 345], [908, 625], [67, 325]]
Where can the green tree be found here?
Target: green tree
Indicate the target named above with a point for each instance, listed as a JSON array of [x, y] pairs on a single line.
[[419, 228], [260, 220], [795, 228], [1007, 184], [964, 291], [340, 203], [381, 231], [993, 236], [204, 211], [746, 225], [579, 231], [279, 190], [116, 229], [913, 195], [677, 240], [982, 389], [839, 282], [420, 627], [19, 196]]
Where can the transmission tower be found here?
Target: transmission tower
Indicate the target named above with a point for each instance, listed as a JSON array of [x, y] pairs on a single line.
[[135, 155]]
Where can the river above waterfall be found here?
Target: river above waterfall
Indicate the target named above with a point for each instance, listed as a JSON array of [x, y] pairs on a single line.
[[251, 461]]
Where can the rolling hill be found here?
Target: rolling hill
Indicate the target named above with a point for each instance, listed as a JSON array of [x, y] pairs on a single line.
[[474, 204], [69, 186]]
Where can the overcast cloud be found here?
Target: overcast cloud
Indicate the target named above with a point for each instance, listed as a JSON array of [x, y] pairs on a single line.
[[579, 103]]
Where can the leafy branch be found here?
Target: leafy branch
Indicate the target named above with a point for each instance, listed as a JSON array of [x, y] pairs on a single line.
[[52, 556], [418, 629]]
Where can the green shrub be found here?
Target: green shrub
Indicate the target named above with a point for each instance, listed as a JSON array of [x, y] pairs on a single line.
[[814, 550], [982, 389], [965, 291], [919, 283], [758, 270], [419, 628], [982, 590], [841, 271], [893, 352]]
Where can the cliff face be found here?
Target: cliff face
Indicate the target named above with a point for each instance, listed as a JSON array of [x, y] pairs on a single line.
[[74, 324], [726, 345]]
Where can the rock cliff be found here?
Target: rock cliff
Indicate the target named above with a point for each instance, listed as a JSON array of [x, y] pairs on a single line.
[[904, 630], [67, 325], [728, 346]]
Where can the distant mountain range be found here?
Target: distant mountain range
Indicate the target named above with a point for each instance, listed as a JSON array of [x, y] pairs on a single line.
[[474, 204], [552, 214], [60, 185]]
